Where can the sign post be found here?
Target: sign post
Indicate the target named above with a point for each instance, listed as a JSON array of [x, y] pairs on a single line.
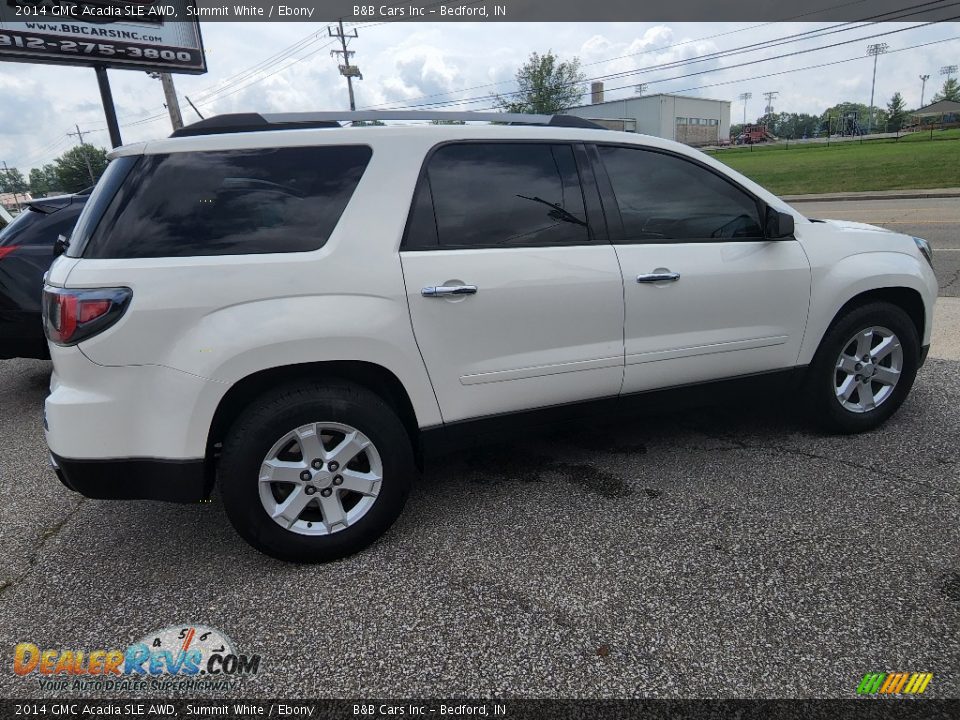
[[106, 97]]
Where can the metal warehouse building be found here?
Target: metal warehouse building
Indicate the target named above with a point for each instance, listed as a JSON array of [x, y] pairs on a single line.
[[690, 120]]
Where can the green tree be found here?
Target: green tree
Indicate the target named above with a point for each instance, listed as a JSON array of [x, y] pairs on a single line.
[[12, 181], [80, 167], [897, 113], [950, 91], [545, 85], [44, 181]]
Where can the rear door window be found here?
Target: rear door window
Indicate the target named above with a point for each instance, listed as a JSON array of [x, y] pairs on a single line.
[[499, 195], [234, 202]]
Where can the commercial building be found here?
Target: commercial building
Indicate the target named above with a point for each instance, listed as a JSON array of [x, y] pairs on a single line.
[[691, 120]]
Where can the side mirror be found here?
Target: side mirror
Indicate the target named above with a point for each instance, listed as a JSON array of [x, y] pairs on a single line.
[[777, 225], [60, 246]]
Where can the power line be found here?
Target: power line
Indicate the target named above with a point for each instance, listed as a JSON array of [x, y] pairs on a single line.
[[832, 29], [737, 81], [811, 67], [223, 93], [674, 65]]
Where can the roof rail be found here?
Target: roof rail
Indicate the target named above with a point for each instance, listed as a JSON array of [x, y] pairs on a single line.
[[256, 122]]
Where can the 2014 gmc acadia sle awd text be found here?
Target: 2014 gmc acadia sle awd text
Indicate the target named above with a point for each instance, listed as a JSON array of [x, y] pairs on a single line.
[[297, 310]]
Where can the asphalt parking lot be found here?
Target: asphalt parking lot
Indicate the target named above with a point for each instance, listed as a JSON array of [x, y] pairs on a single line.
[[716, 553]]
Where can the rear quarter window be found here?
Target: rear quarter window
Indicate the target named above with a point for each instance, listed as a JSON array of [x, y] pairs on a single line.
[[235, 202]]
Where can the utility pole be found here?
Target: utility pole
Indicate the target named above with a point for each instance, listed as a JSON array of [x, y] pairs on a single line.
[[743, 97], [641, 89], [923, 87], [768, 110], [86, 158], [170, 94], [6, 172], [876, 50], [346, 69]]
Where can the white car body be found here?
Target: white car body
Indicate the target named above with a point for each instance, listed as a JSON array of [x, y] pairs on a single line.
[[549, 325]]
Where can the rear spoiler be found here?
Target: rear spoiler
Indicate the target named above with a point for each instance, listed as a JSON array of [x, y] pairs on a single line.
[[52, 204]]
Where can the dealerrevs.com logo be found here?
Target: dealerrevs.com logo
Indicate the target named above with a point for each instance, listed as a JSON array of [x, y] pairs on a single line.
[[186, 657]]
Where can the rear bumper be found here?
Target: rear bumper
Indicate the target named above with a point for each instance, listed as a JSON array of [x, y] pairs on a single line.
[[183, 481]]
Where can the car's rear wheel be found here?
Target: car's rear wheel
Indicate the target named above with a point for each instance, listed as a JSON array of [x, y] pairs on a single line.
[[864, 368], [313, 473]]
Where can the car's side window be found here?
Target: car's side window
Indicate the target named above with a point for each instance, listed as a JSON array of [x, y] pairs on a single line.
[[665, 198], [498, 195]]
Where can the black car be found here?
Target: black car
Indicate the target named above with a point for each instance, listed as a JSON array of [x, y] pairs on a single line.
[[26, 251]]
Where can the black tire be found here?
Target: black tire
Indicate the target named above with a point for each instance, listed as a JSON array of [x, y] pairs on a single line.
[[824, 407], [273, 415]]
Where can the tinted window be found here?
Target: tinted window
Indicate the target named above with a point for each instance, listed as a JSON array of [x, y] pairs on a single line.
[[663, 198], [513, 194], [97, 203], [235, 202], [33, 227]]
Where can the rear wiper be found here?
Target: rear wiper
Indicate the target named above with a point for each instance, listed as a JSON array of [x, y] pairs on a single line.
[[561, 213]]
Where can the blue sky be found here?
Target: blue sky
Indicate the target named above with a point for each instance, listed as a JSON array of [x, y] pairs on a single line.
[[411, 63]]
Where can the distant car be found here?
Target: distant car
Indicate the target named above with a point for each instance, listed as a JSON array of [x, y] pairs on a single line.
[[26, 251]]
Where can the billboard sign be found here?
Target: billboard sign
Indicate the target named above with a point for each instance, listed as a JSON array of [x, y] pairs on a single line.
[[123, 34]]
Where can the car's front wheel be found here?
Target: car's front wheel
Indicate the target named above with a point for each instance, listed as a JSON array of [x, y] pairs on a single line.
[[864, 368], [313, 473]]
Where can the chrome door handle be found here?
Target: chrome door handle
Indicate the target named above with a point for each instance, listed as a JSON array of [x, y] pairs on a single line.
[[447, 290], [658, 277]]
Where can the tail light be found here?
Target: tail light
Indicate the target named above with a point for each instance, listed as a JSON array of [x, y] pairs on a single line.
[[4, 251], [73, 315]]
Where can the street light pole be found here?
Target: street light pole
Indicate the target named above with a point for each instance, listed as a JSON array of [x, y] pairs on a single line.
[[876, 50], [923, 87], [743, 97]]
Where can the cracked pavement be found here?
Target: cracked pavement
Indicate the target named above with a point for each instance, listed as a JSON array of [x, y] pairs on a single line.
[[714, 553]]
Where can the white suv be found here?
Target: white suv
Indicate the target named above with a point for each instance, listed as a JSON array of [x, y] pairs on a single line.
[[300, 310]]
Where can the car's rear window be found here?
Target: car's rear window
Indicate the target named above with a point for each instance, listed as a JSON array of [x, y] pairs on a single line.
[[14, 228], [234, 202], [35, 228]]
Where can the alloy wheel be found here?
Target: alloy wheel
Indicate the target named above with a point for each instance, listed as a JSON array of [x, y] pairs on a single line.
[[868, 369], [320, 478]]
